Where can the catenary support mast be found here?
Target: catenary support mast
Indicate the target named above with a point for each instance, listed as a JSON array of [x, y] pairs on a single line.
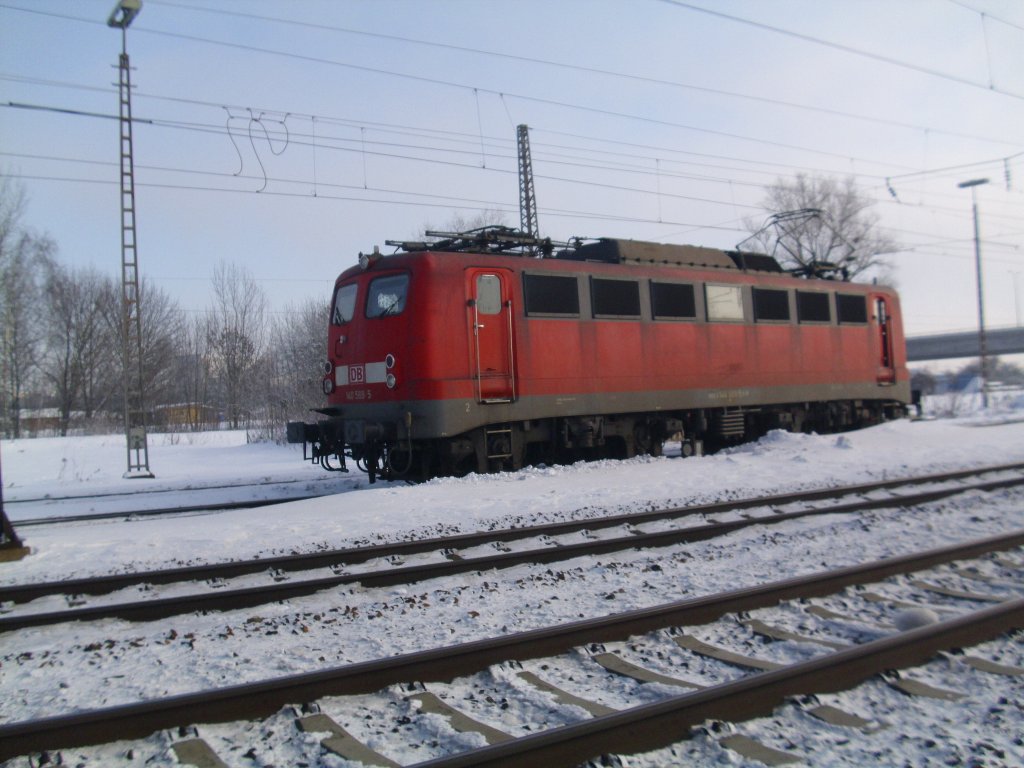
[[131, 321], [527, 197]]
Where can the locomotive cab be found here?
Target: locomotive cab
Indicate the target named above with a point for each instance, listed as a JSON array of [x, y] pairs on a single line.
[[404, 353], [367, 340]]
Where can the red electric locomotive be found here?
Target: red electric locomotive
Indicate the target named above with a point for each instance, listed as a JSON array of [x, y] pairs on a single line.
[[489, 350]]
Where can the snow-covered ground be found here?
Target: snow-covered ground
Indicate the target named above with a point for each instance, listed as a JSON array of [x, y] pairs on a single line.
[[59, 669], [51, 476], [35, 472]]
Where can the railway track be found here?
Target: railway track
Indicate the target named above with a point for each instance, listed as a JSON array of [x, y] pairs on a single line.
[[386, 563], [330, 487], [724, 656], [160, 512]]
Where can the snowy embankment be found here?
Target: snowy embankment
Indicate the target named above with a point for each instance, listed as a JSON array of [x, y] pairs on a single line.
[[67, 476], [63, 668], [77, 466]]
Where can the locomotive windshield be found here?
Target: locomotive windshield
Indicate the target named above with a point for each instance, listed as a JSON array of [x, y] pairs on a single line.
[[344, 304], [387, 295]]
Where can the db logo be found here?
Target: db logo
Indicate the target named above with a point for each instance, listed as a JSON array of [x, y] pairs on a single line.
[[356, 374]]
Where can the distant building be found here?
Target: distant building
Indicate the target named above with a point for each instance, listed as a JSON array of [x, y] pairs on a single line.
[[184, 415]]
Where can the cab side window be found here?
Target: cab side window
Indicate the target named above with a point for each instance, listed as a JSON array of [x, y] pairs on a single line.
[[344, 304], [851, 308]]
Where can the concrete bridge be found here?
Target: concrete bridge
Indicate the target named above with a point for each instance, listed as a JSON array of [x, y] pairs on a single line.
[[944, 346]]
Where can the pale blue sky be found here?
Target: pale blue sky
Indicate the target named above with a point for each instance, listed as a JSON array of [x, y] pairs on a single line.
[[650, 120]]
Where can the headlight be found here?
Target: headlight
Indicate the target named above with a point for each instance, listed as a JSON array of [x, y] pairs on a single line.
[[390, 381], [389, 361], [328, 386], [366, 260]]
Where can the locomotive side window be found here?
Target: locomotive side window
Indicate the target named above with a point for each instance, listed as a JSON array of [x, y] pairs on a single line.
[[615, 298], [851, 308], [344, 304], [387, 295], [673, 301], [551, 295], [724, 302], [771, 304], [813, 307]]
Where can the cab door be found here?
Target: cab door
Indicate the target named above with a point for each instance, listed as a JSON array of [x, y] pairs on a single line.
[[886, 365], [489, 314]]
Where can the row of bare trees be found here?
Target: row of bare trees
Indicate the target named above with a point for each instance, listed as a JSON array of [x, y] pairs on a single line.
[[234, 364]]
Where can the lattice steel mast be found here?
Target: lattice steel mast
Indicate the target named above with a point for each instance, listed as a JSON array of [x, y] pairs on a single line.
[[527, 197], [131, 322]]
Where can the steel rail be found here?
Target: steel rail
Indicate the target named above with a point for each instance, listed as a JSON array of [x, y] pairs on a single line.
[[19, 593], [652, 726], [235, 599], [264, 698], [157, 491], [225, 506]]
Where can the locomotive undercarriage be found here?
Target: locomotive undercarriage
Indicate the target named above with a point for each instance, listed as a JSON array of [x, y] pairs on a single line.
[[386, 451]]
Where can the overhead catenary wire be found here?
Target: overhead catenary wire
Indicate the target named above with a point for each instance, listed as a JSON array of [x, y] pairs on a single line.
[[657, 160], [655, 151], [921, 249], [464, 137], [443, 201], [325, 143], [581, 68], [491, 169], [986, 14], [476, 138], [569, 66], [554, 212], [845, 48], [470, 88], [263, 178]]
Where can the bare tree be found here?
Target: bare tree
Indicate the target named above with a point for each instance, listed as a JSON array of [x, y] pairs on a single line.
[[76, 334], [193, 372], [97, 344], [162, 323], [64, 327], [12, 210], [836, 227], [21, 318], [295, 364], [21, 253], [236, 337]]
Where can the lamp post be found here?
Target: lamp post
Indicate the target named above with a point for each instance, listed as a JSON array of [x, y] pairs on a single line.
[[973, 184], [131, 287]]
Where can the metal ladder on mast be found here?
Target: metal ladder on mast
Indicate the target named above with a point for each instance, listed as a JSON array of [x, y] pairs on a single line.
[[131, 322]]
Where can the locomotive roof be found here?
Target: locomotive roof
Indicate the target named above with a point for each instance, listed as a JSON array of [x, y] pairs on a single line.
[[611, 251], [505, 241]]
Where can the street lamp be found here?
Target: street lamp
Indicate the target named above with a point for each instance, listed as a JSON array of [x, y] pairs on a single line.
[[131, 288], [124, 13], [973, 184]]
